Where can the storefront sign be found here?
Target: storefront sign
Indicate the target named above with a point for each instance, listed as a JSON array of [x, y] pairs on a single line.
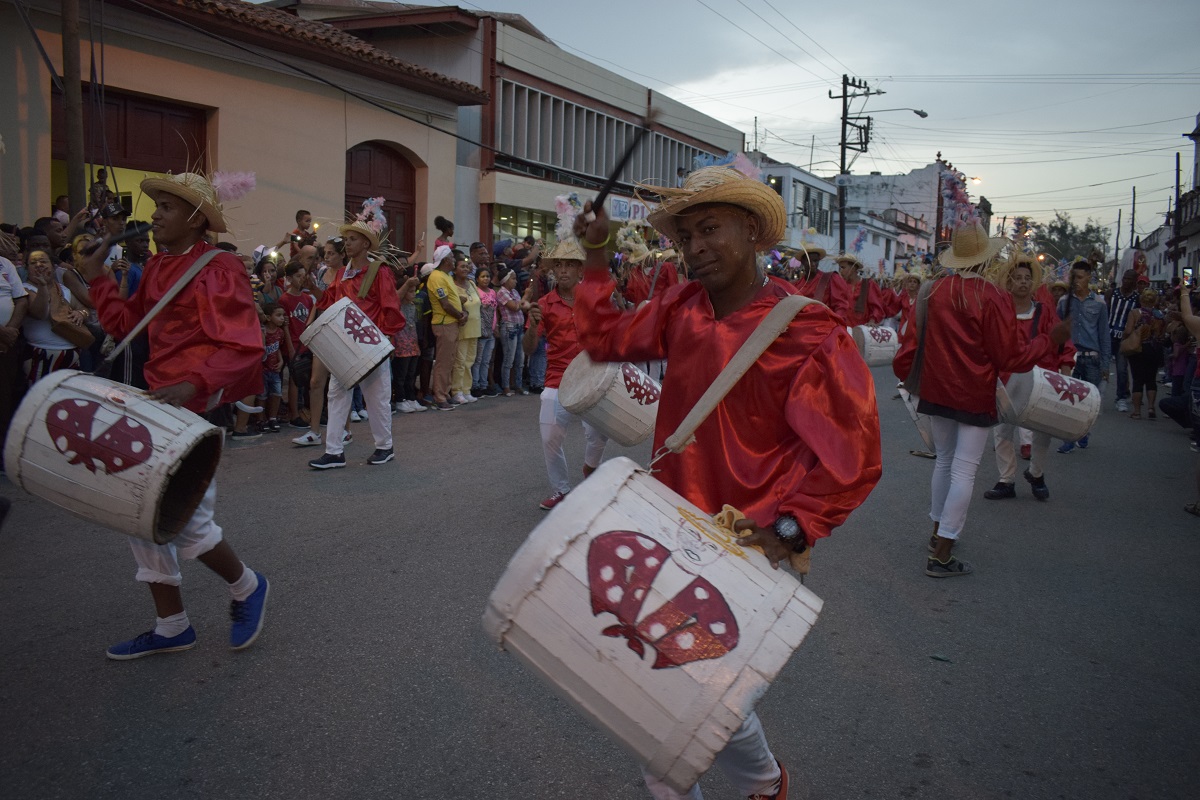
[[623, 208]]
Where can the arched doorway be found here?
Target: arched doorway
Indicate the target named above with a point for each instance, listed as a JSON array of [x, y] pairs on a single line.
[[373, 169]]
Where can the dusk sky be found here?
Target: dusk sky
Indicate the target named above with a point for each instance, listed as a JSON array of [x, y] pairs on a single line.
[[1053, 105]]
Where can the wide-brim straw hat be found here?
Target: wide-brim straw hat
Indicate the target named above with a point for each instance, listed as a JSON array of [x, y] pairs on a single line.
[[970, 247], [848, 258], [193, 189], [720, 185], [813, 253], [566, 250], [362, 228], [1025, 260]]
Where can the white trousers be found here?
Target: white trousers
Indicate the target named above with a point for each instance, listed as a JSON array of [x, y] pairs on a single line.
[[1006, 451], [377, 392], [959, 450], [554, 421], [746, 761], [159, 563]]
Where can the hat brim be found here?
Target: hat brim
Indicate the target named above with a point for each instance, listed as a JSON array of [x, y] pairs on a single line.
[[363, 231], [156, 186], [748, 195], [950, 261], [844, 259]]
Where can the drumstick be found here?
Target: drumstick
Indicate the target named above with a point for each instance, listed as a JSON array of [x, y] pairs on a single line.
[[612, 178]]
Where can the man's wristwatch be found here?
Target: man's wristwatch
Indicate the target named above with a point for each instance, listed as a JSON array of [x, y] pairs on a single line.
[[787, 530]]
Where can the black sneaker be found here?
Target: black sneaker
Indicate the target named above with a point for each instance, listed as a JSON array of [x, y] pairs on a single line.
[[381, 457], [249, 433], [953, 568], [328, 461], [1040, 490], [1001, 491], [299, 422], [273, 426]]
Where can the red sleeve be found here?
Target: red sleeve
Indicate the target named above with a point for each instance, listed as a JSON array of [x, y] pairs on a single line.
[[229, 321], [887, 303], [391, 318], [1065, 357], [903, 362], [118, 317], [612, 335], [840, 298], [1006, 344]]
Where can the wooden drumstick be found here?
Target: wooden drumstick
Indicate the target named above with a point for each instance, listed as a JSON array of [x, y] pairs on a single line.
[[612, 178]]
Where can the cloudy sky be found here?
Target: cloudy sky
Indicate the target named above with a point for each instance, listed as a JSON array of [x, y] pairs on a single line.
[[1054, 105]]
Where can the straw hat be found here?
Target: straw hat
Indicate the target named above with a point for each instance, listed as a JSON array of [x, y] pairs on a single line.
[[631, 242], [720, 185], [848, 258], [813, 253], [1024, 260], [970, 247], [566, 250], [191, 188], [362, 228]]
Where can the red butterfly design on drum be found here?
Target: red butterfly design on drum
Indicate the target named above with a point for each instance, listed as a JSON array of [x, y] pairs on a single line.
[[1069, 389], [359, 328], [640, 386], [694, 625], [881, 335], [124, 444]]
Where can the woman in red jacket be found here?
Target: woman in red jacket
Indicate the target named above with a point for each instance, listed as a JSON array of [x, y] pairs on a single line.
[[1034, 318], [963, 338]]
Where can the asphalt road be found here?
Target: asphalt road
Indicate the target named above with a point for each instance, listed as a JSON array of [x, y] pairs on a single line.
[[1064, 668]]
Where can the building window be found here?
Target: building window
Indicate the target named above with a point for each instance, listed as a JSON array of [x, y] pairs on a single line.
[[517, 223]]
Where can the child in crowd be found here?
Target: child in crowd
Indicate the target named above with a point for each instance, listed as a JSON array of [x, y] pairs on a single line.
[[297, 302], [488, 303], [407, 357], [278, 344]]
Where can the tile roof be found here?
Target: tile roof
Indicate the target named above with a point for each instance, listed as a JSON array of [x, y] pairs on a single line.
[[257, 20]]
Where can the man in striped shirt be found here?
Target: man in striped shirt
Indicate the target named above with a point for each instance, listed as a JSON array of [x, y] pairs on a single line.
[[1120, 302]]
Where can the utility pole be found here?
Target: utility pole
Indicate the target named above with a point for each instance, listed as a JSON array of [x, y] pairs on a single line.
[[756, 134], [1132, 216], [1116, 249], [73, 104], [864, 137], [1176, 244]]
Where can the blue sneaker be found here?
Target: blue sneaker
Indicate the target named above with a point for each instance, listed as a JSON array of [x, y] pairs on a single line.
[[150, 643], [247, 615], [1066, 447], [1083, 443]]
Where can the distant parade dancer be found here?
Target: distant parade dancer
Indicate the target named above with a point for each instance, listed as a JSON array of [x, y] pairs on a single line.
[[795, 443], [869, 304], [1034, 319], [829, 288], [964, 337], [205, 346]]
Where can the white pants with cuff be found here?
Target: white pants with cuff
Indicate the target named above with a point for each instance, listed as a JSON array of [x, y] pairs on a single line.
[[1006, 451], [554, 421], [159, 563], [377, 392], [959, 450], [746, 761]]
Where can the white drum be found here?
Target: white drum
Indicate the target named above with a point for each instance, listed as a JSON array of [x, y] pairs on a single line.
[[1043, 400], [108, 454], [877, 344], [619, 399], [649, 619], [347, 342]]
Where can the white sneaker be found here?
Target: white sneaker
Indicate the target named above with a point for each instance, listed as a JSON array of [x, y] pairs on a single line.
[[470, 398], [405, 407], [1123, 406], [416, 406], [362, 415], [355, 416], [307, 439], [458, 399], [347, 438]]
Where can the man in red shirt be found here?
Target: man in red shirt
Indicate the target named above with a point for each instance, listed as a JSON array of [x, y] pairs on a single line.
[[205, 348], [554, 318], [824, 287], [869, 305], [382, 306], [795, 443]]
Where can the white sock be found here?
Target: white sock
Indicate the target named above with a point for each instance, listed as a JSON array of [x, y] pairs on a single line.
[[172, 626], [244, 586]]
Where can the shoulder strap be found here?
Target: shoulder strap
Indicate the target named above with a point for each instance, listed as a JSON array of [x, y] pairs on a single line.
[[654, 280], [824, 292], [912, 384], [775, 323], [1037, 316], [372, 271], [200, 263]]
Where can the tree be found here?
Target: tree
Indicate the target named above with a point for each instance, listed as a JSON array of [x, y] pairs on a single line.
[[1062, 238]]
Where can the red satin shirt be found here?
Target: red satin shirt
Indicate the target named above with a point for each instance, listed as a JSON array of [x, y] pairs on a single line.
[[382, 303], [829, 288], [877, 305], [969, 339], [798, 434], [562, 339], [1058, 357], [209, 335]]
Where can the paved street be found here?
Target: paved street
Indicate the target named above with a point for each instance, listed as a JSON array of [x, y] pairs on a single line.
[[1064, 668]]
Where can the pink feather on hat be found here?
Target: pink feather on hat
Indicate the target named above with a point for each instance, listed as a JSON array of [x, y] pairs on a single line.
[[231, 186]]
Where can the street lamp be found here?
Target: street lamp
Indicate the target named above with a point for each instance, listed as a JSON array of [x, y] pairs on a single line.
[[917, 111]]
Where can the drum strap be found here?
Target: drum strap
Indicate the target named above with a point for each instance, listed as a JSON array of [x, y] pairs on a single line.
[[372, 271], [912, 384], [775, 323], [105, 368], [654, 280]]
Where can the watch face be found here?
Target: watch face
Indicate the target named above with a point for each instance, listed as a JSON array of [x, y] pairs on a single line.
[[786, 528]]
